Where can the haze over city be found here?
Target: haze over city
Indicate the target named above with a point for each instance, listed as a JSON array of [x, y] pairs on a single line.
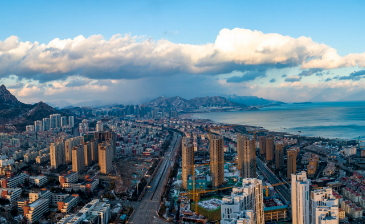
[[82, 51], [160, 112]]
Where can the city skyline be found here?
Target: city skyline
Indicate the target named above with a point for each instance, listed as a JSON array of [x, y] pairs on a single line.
[[135, 52]]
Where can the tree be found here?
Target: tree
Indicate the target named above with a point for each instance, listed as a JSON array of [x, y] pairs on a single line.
[[14, 211]]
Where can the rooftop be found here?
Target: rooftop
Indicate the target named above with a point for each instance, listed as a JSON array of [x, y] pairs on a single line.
[[38, 202]]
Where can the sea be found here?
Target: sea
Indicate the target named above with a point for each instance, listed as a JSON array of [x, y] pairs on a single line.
[[341, 120]]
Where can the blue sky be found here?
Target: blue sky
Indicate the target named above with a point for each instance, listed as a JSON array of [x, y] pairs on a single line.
[[336, 24]]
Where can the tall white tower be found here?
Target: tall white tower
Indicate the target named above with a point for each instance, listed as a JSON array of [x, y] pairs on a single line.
[[300, 198]]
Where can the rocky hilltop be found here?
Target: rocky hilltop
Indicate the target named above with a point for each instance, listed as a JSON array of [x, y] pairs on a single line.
[[7, 100], [15, 115], [181, 104]]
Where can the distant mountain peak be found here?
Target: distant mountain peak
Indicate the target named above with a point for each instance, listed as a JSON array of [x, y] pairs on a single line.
[[7, 100]]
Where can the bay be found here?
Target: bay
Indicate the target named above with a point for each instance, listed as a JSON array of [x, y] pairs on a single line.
[[343, 120]]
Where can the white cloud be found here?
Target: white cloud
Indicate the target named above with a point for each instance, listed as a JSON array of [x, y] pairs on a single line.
[[126, 57]]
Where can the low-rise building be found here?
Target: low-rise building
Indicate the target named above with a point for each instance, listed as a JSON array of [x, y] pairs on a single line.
[[95, 211], [57, 197], [68, 203], [88, 186], [11, 194], [34, 211], [14, 181], [70, 177], [38, 180], [33, 196]]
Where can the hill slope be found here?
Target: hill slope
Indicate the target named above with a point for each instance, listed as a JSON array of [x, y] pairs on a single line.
[[18, 114], [251, 100]]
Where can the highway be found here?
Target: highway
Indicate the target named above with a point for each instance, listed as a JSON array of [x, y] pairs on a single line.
[[282, 190], [148, 208]]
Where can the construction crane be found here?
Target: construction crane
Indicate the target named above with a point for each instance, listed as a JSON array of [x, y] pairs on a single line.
[[273, 185], [195, 191]]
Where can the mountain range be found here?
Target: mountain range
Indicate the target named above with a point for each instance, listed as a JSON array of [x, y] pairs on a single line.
[[251, 100], [178, 102], [181, 104], [15, 114]]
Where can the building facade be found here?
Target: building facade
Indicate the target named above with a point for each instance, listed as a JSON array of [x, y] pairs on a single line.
[[300, 198], [216, 160], [78, 159], [105, 157], [324, 206], [57, 154], [269, 148], [187, 160], [245, 205], [246, 155], [262, 145], [279, 155], [291, 162]]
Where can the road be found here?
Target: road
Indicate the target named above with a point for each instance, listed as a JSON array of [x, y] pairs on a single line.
[[148, 207], [273, 179]]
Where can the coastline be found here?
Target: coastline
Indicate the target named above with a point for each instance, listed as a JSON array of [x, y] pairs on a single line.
[[191, 116]]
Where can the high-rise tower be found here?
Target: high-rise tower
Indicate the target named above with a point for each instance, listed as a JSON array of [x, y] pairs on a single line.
[[269, 148], [187, 160], [57, 154], [78, 159], [105, 157], [262, 145], [279, 155], [291, 162], [216, 160], [300, 198], [246, 156]]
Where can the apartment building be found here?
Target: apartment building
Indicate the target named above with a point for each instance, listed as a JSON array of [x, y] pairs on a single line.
[[78, 159], [105, 157], [68, 203], [216, 160], [187, 160], [34, 211], [38, 180], [300, 198], [11, 194], [245, 205]]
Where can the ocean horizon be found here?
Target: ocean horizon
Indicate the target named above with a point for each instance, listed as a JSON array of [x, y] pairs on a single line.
[[342, 120]]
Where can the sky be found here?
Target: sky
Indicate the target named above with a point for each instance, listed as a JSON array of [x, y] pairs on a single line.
[[134, 51]]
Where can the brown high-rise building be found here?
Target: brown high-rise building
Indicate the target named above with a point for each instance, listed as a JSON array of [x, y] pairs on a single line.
[[291, 162], [240, 139], [187, 160], [94, 150], [216, 160], [108, 135], [279, 155], [269, 148], [87, 153], [69, 144], [78, 159], [262, 145], [105, 157], [246, 154], [57, 154]]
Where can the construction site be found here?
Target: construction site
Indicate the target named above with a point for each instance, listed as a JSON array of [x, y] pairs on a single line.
[[131, 171], [202, 182]]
